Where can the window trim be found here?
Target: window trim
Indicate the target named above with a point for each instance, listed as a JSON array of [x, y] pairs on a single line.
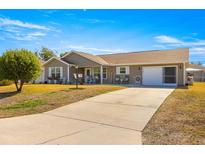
[[127, 72], [55, 71], [123, 67], [96, 73], [171, 84], [104, 73], [164, 76]]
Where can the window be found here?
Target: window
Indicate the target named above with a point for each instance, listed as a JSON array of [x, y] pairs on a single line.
[[122, 70], [169, 74], [96, 72], [58, 72], [104, 73], [55, 72]]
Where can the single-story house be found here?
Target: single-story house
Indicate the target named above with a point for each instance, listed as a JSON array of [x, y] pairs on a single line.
[[197, 71], [156, 67]]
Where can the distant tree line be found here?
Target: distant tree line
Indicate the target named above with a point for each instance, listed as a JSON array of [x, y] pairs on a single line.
[[197, 62]]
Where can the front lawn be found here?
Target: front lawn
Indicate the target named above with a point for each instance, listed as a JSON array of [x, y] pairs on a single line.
[[37, 98], [180, 119]]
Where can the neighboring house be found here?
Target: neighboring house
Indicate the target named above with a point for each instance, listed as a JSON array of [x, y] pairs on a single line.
[[198, 72], [157, 67]]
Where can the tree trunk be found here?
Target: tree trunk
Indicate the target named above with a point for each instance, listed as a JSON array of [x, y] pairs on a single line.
[[16, 84], [19, 88], [21, 85]]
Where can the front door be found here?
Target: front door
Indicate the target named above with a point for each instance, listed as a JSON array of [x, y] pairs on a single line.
[[87, 74], [170, 75]]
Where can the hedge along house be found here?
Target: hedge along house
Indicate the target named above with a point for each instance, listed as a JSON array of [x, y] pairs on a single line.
[[157, 67]]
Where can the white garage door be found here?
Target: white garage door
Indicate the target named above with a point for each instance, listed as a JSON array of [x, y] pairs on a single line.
[[152, 76]]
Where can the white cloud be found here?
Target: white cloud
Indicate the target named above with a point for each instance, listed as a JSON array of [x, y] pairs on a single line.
[[195, 43], [194, 34], [88, 20], [11, 30], [198, 51], [159, 46], [26, 36], [55, 23], [167, 39], [96, 21], [9, 22], [79, 47], [69, 14], [172, 41], [23, 31], [36, 34], [197, 46]]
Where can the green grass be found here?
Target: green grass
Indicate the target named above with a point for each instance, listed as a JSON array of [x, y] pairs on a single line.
[[22, 105], [180, 119], [38, 98]]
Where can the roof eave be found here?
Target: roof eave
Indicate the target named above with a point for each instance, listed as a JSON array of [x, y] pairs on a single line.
[[56, 59], [82, 56], [147, 63]]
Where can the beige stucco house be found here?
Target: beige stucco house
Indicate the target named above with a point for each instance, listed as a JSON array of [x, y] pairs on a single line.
[[157, 67]]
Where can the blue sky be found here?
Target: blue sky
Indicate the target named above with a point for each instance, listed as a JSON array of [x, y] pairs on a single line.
[[104, 31]]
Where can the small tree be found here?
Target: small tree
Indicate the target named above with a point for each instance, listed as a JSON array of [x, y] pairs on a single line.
[[45, 54], [63, 54], [19, 66]]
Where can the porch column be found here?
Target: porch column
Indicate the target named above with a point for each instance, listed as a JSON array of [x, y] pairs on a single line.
[[68, 74], [101, 74], [184, 74]]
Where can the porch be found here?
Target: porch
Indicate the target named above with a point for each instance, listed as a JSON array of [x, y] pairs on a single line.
[[90, 75]]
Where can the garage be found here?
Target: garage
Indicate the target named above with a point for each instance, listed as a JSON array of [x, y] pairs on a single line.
[[152, 76], [159, 75]]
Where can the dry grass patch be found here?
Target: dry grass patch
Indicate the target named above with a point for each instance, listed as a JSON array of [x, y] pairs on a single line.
[[180, 119], [37, 98]]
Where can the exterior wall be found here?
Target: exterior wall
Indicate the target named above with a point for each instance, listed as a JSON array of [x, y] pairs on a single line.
[[136, 70], [73, 71], [55, 63], [74, 58], [181, 74], [111, 72], [40, 79]]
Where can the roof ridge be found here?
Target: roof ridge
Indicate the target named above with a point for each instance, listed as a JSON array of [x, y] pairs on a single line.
[[140, 51], [90, 56]]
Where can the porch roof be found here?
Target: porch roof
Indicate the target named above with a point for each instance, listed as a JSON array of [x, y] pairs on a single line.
[[88, 56], [56, 58]]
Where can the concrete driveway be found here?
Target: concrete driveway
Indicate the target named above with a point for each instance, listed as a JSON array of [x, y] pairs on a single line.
[[113, 118]]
